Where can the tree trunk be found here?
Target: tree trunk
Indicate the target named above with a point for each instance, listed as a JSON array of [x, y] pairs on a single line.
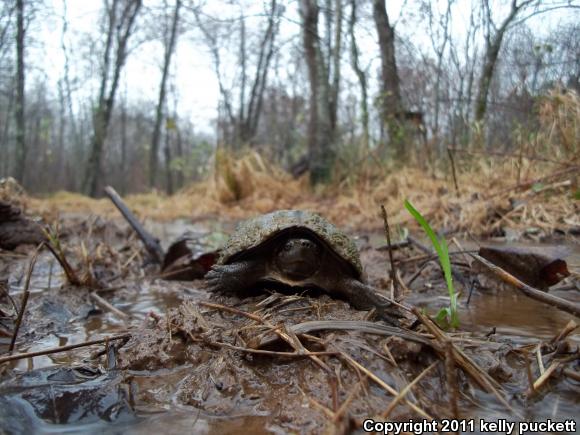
[[124, 141], [169, 48], [254, 109], [241, 135], [491, 55], [362, 79], [119, 32], [390, 99], [94, 163], [320, 132], [5, 169], [335, 58], [492, 48], [21, 146], [179, 150], [170, 187]]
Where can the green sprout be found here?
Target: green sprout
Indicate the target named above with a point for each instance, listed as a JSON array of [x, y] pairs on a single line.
[[447, 315]]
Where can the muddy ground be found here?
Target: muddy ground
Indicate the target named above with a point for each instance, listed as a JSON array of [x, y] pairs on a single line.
[[176, 359]]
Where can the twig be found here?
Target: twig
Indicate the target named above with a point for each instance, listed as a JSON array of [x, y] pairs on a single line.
[[393, 246], [481, 377], [570, 327], [544, 377], [317, 404], [388, 234], [289, 338], [418, 271], [572, 374], [404, 391], [18, 356], [353, 325], [450, 153], [530, 291], [344, 405], [54, 247], [539, 359], [384, 385], [108, 306], [24, 298], [151, 243]]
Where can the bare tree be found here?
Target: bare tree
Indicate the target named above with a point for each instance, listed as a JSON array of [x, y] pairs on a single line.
[[21, 146], [439, 34], [7, 94], [245, 119], [324, 77], [249, 122], [390, 96], [463, 58], [169, 43], [493, 39], [121, 15], [361, 75]]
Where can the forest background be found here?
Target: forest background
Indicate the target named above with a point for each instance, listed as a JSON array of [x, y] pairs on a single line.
[[159, 94]]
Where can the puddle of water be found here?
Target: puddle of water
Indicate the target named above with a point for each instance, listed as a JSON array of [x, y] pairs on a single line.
[[515, 315]]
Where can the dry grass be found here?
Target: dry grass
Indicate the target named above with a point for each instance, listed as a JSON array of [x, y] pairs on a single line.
[[250, 188], [240, 187]]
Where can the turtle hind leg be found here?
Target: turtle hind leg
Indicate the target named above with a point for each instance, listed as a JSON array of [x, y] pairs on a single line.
[[364, 297], [235, 277]]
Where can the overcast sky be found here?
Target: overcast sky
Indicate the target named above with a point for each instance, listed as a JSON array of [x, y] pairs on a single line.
[[192, 72]]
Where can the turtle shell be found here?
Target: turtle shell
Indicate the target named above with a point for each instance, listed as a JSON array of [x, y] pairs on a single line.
[[256, 231]]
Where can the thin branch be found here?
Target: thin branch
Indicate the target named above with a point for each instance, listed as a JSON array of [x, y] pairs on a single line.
[[59, 349], [24, 298]]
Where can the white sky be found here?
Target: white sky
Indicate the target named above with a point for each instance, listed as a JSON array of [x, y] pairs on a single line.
[[193, 74]]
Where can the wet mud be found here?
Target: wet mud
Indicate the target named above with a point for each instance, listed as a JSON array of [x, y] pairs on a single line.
[[195, 362]]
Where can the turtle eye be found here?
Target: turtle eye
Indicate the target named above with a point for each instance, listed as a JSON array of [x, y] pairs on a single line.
[[287, 247]]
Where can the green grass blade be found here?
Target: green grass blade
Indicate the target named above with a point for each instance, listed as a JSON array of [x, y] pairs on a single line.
[[440, 245]]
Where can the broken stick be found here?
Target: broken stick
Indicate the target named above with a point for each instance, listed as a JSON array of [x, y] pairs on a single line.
[[151, 243]]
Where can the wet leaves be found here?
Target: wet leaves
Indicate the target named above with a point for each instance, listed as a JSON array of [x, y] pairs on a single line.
[[187, 259]]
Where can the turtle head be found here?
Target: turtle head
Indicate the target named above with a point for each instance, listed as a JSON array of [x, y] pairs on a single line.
[[298, 258]]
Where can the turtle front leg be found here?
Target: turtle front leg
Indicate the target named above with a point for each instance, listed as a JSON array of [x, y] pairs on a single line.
[[363, 297], [230, 278]]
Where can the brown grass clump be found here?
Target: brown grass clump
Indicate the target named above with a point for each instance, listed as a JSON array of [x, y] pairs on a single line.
[[560, 124], [248, 182]]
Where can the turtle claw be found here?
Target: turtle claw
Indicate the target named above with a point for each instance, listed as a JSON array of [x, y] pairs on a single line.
[[214, 279], [230, 278]]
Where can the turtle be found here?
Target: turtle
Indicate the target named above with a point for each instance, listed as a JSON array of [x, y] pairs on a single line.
[[295, 248]]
